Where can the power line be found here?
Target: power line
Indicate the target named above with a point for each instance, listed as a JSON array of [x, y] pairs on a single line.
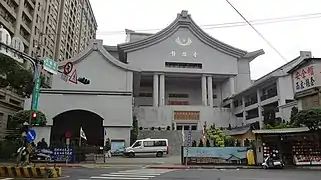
[[234, 24], [257, 31]]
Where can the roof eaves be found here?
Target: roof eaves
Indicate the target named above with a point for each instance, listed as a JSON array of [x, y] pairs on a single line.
[[183, 20], [296, 67]]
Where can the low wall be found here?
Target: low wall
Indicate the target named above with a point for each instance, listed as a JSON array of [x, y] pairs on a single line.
[[217, 155]]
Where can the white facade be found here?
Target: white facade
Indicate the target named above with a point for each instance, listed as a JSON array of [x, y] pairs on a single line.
[[175, 78], [185, 76], [272, 90]]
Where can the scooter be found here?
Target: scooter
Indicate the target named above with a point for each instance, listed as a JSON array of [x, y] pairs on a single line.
[[269, 163]]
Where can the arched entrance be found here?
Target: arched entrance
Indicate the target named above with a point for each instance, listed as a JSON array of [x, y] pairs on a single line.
[[71, 121]]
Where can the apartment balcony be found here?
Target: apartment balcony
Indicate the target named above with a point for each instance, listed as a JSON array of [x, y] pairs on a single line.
[[269, 95], [249, 103], [9, 8]]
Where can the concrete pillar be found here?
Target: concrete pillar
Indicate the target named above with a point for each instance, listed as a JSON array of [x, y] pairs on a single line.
[[155, 90], [161, 90], [204, 95], [232, 85], [19, 18], [244, 112], [210, 90]]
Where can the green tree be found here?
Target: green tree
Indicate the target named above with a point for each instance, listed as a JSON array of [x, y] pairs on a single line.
[[208, 144], [294, 112], [310, 118], [14, 76], [200, 144], [134, 131], [23, 116], [217, 136]]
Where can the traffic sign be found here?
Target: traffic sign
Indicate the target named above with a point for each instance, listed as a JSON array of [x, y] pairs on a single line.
[[50, 65], [73, 78], [31, 135], [68, 68]]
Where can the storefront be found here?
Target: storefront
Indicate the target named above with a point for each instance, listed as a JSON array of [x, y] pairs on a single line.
[[295, 146]]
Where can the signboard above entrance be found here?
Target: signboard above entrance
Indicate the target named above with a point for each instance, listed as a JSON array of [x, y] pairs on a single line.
[[187, 115]]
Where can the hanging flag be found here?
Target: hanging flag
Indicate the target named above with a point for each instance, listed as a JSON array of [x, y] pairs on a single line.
[[183, 136], [82, 134]]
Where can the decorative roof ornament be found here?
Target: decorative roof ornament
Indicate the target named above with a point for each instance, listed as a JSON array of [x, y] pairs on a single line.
[[184, 13], [183, 41]]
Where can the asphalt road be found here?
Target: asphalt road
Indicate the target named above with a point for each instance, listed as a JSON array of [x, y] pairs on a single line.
[[138, 173], [242, 174]]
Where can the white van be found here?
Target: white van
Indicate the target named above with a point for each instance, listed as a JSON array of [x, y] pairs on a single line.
[[158, 147]]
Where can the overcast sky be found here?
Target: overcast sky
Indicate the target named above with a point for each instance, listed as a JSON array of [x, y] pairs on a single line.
[[288, 37]]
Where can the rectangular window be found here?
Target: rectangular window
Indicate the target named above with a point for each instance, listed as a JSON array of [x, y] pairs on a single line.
[[145, 94], [148, 143], [178, 95], [10, 124], [160, 143], [183, 65]]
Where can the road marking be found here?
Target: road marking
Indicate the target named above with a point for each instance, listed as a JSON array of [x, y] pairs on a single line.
[[128, 175], [6, 179], [132, 173], [101, 177]]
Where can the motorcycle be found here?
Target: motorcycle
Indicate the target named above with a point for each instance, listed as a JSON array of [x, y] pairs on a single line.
[[43, 155], [270, 163]]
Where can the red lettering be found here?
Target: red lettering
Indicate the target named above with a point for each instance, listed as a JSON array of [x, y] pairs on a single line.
[[310, 71], [303, 73], [297, 75]]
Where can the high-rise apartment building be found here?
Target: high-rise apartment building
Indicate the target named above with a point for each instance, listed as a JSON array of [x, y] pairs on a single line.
[[60, 28]]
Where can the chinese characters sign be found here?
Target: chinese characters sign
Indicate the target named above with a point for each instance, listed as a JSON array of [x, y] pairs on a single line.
[[186, 115], [304, 78], [183, 54]]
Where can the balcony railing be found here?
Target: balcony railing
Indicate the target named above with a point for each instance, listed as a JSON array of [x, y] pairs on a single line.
[[249, 103], [251, 116], [269, 95]]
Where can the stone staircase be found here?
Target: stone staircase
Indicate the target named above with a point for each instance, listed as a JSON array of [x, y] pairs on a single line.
[[175, 138]]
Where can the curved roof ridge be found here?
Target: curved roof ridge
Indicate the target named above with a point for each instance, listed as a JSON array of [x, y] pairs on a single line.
[[97, 45], [183, 19]]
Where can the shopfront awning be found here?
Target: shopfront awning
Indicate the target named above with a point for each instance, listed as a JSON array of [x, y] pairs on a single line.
[[281, 131]]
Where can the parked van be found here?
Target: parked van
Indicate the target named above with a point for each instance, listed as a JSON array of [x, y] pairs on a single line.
[[158, 147]]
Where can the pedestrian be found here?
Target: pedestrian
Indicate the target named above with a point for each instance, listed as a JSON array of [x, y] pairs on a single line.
[[107, 148]]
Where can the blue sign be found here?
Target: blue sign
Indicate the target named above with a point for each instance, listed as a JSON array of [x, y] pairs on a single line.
[[189, 136], [63, 154], [31, 135]]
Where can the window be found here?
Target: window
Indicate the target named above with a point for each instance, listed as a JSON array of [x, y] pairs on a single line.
[[160, 143], [10, 124], [145, 94], [178, 95], [186, 127], [183, 65], [137, 144], [149, 143]]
